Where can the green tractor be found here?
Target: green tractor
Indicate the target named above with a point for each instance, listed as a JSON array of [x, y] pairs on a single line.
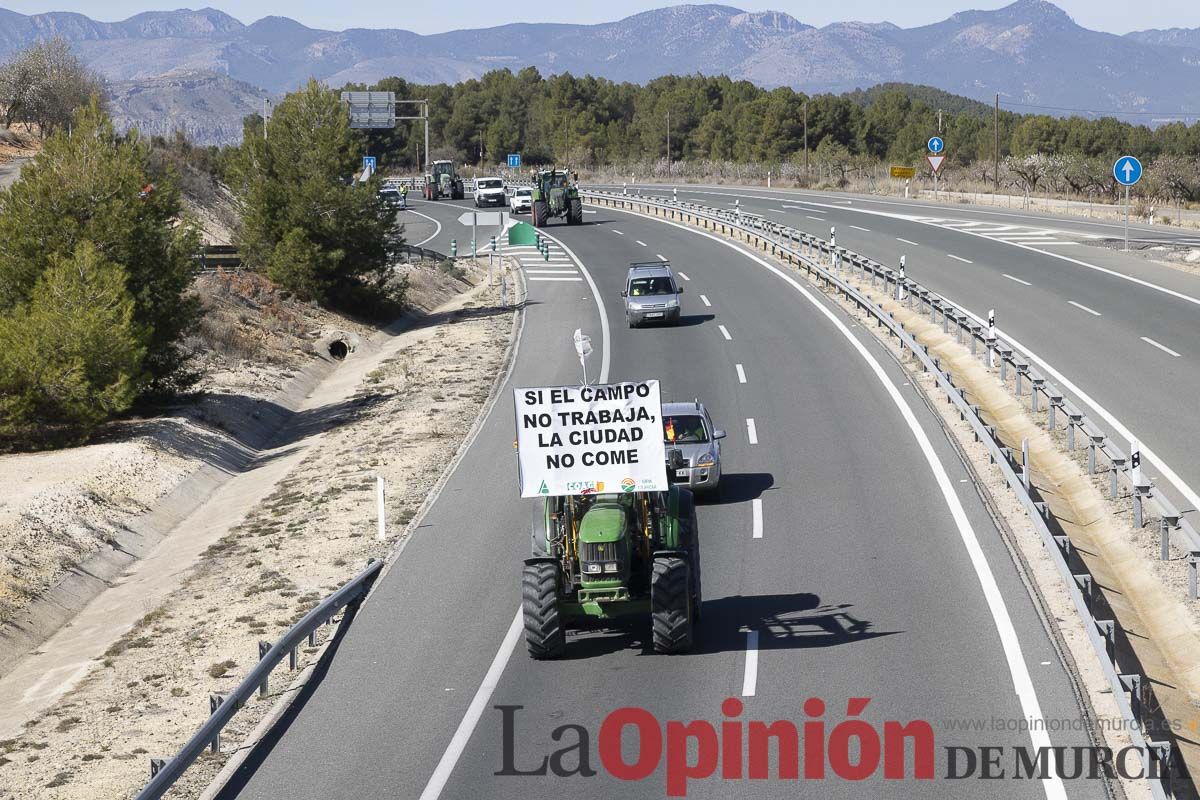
[[442, 182], [555, 194], [602, 556]]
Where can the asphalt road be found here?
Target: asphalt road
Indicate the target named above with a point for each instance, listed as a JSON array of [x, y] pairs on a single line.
[[1117, 330], [864, 583]]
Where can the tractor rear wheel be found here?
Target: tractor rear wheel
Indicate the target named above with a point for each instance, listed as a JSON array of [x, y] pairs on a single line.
[[575, 212], [545, 636], [671, 605], [540, 212]]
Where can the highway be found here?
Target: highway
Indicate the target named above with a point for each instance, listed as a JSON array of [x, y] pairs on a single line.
[[876, 571], [1115, 331]]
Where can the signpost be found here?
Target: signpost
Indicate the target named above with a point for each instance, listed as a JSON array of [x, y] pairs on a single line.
[[904, 172], [477, 218], [1128, 171], [371, 109], [936, 146], [605, 438], [514, 160], [369, 163]]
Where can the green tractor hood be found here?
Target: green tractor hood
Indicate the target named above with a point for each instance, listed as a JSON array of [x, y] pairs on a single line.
[[602, 523]]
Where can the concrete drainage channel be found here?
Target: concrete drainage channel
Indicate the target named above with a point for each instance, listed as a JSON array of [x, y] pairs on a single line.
[[831, 268]]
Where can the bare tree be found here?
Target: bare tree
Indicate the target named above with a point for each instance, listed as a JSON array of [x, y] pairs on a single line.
[[44, 84]]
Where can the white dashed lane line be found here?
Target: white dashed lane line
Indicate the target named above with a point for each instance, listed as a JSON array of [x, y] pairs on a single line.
[[725, 333], [1082, 307], [704, 300], [959, 258], [1162, 347], [680, 274], [907, 241], [555, 279], [751, 430], [757, 530], [617, 232], [818, 219], [661, 257], [1018, 280], [750, 676], [639, 241], [741, 373], [864, 230]]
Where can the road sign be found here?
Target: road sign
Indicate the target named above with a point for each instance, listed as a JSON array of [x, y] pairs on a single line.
[[369, 163], [936, 145], [1127, 170], [904, 172], [371, 109], [514, 160], [935, 162], [483, 218]]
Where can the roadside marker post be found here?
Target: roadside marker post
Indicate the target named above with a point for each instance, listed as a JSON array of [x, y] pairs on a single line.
[[381, 534], [991, 337], [900, 293], [583, 349], [1127, 171]]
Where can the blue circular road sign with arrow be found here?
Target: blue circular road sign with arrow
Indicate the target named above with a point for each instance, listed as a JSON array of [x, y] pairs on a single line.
[[1127, 170], [936, 145]]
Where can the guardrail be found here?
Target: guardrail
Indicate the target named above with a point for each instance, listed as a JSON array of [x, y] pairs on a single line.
[[1130, 689], [163, 774], [219, 256]]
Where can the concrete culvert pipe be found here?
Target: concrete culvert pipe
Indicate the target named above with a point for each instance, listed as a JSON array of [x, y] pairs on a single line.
[[338, 349]]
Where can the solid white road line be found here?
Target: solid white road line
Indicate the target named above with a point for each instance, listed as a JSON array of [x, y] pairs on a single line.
[[1162, 347], [639, 241], [750, 676], [751, 430], [1018, 280], [436, 230], [1011, 644], [864, 230], [757, 530], [680, 274], [725, 333], [906, 241], [704, 300], [1085, 308], [959, 258], [458, 743], [741, 373]]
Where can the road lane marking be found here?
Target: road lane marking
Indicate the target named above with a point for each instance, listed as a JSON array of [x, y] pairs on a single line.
[[751, 430], [639, 241], [661, 257], [741, 373], [907, 241], [617, 232], [1162, 347], [704, 300], [725, 333], [1085, 308], [588, 212], [959, 258], [997, 607], [757, 530], [555, 279], [458, 743], [864, 230], [563, 271], [1018, 280], [680, 274], [436, 230], [818, 219], [750, 676]]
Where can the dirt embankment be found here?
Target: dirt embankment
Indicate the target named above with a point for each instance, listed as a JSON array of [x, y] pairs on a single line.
[[399, 407]]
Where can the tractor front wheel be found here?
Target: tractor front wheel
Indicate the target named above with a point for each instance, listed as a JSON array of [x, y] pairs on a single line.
[[545, 636], [575, 212], [671, 605], [540, 212]]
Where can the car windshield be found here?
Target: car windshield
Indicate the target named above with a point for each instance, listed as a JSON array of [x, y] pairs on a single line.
[[639, 287], [684, 429], [490, 184], [524, 192]]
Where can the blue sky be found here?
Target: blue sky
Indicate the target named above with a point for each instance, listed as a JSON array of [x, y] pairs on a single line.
[[1117, 16]]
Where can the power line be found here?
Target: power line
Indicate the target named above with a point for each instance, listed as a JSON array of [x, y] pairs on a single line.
[[1106, 113]]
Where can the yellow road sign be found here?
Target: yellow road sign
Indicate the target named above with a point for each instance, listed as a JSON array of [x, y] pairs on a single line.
[[904, 172]]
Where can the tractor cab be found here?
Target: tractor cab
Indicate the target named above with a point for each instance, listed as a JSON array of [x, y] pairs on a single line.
[[556, 195]]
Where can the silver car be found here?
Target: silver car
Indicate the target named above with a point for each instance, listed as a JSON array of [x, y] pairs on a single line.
[[651, 294], [693, 446]]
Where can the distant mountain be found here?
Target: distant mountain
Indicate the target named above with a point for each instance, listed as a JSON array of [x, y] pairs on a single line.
[[1029, 52]]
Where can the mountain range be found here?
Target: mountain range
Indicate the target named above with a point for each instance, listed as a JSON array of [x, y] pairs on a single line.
[[203, 70]]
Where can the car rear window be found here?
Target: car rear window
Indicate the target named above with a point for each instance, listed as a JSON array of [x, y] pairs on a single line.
[[644, 286], [684, 429], [524, 192]]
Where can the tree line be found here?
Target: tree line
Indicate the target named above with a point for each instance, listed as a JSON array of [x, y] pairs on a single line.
[[589, 122]]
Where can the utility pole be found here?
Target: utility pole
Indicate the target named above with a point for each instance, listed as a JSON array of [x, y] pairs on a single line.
[[939, 122], [668, 142], [806, 138], [996, 151], [265, 118]]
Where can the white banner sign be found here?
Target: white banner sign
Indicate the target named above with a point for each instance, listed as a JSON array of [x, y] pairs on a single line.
[[590, 439]]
